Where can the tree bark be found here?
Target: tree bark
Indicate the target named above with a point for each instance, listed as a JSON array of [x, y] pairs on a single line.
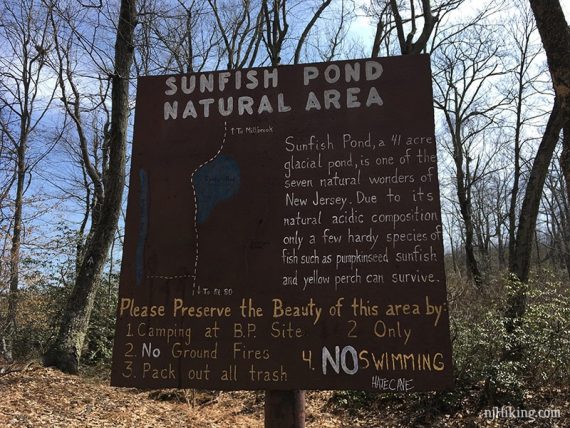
[[407, 45], [517, 160], [565, 199], [16, 241], [555, 36], [565, 159], [66, 350], [520, 262], [307, 29], [464, 198]]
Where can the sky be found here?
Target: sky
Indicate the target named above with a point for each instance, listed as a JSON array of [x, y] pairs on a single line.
[[362, 28]]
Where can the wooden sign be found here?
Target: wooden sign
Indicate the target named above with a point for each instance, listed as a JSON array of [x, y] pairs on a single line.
[[284, 232]]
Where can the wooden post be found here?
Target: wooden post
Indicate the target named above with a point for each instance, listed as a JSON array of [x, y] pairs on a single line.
[[285, 409]]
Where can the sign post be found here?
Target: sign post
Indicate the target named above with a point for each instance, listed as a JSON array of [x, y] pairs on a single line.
[[283, 233], [285, 409]]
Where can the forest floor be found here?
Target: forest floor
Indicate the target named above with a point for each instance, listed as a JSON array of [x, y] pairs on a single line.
[[42, 397]]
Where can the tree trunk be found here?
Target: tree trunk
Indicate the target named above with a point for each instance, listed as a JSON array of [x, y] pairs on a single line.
[[517, 164], [520, 263], [566, 255], [565, 159], [500, 249], [565, 201], [16, 244], [66, 351], [465, 209], [555, 37], [470, 258], [453, 256]]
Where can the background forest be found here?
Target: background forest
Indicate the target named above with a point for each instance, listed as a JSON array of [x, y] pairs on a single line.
[[500, 69]]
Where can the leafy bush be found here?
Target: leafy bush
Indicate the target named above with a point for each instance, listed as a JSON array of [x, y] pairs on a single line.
[[546, 332], [98, 347]]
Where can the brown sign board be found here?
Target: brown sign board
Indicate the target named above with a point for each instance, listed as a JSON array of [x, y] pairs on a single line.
[[284, 231]]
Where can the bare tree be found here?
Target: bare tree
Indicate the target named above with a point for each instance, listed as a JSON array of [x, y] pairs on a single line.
[[407, 44], [557, 216], [176, 37], [464, 71], [240, 28], [275, 28], [310, 25], [66, 350], [333, 39], [24, 102], [524, 81], [555, 35], [401, 20]]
